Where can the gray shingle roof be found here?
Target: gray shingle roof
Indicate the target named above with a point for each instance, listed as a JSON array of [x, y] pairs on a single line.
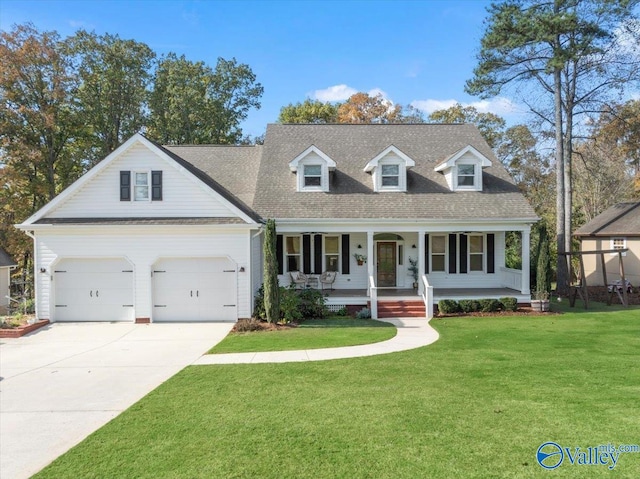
[[622, 219], [351, 192], [5, 259]]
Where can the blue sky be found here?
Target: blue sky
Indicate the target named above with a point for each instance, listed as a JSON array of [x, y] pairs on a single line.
[[413, 52]]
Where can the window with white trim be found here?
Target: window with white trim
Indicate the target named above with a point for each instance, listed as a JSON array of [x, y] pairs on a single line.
[[438, 253], [331, 253], [293, 253], [466, 176], [312, 176], [618, 243], [476, 253], [390, 176], [141, 186]]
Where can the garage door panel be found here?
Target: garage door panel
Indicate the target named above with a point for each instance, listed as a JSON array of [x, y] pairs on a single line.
[[194, 289], [93, 289]]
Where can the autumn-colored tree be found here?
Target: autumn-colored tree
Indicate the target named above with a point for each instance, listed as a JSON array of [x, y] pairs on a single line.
[[38, 120], [619, 127], [363, 108]]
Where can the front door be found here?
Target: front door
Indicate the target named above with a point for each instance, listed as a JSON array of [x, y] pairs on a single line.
[[386, 263]]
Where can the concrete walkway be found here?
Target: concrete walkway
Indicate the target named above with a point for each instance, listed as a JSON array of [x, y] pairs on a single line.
[[62, 382], [412, 333]]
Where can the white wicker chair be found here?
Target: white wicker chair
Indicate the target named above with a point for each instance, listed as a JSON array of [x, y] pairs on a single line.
[[299, 279], [328, 277]]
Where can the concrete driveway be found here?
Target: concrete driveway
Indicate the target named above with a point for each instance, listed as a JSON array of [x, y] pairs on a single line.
[[61, 383]]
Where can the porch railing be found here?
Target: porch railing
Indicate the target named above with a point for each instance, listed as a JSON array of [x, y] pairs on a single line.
[[373, 297], [511, 278], [427, 297]]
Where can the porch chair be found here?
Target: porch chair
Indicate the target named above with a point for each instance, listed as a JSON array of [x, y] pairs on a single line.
[[299, 279], [328, 277]]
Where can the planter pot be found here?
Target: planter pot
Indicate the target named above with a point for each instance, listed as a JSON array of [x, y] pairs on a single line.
[[540, 305], [360, 263], [415, 285]]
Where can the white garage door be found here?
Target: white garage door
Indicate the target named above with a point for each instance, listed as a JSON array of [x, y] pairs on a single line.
[[93, 290], [194, 289]]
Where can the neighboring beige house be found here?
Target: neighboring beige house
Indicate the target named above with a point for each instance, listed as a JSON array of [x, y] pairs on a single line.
[[6, 265], [616, 228]]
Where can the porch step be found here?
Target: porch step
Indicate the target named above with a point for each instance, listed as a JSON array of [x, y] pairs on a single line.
[[402, 309]]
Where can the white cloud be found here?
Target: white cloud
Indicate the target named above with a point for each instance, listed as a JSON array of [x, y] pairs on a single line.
[[498, 105], [343, 92], [81, 24], [334, 93]]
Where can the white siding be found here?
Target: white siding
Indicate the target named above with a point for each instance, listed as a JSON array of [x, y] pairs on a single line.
[[142, 247], [4, 289], [256, 263], [181, 197]]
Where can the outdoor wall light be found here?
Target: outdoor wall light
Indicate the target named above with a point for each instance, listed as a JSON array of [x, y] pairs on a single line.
[[43, 270], [359, 246], [414, 246], [242, 269]]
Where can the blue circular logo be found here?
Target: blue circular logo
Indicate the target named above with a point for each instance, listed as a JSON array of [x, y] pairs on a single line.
[[550, 455]]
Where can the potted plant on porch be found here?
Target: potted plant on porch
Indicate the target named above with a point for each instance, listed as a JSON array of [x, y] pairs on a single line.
[[413, 269], [360, 258]]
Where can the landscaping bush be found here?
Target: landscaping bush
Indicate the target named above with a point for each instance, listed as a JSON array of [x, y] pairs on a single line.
[[448, 306], [290, 305], [312, 304], [342, 311], [509, 303], [469, 305], [259, 310], [364, 313], [246, 325], [489, 305]]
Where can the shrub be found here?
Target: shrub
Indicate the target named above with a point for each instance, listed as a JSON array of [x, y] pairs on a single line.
[[290, 305], [509, 303], [246, 325], [364, 313], [489, 305], [259, 310], [312, 304], [469, 305], [342, 311], [448, 306]]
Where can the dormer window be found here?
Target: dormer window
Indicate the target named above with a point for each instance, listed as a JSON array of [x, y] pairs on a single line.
[[466, 176], [389, 170], [390, 175], [463, 169], [312, 175], [312, 167]]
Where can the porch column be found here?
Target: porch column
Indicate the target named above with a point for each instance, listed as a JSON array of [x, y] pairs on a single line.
[[526, 248], [421, 264], [370, 267]]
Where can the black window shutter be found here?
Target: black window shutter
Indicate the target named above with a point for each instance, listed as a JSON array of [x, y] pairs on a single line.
[[491, 253], [463, 253], [346, 260], [125, 186], [306, 254], [317, 254], [280, 253], [452, 253], [426, 253], [156, 186]]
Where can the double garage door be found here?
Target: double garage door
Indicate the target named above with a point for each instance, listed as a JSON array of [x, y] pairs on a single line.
[[93, 290], [194, 289], [182, 289]]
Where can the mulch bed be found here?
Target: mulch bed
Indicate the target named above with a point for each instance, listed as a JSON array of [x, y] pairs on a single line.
[[245, 325], [521, 311]]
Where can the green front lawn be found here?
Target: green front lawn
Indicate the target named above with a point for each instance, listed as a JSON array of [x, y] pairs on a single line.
[[476, 404], [331, 332]]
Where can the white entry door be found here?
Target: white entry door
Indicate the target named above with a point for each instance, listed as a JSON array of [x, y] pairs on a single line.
[[194, 289], [93, 289]]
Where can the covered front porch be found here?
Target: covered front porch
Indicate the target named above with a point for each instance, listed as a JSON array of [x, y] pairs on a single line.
[[385, 263]]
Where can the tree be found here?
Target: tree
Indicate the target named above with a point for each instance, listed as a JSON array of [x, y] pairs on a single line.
[[491, 126], [309, 111], [571, 52], [192, 103], [114, 77], [363, 108], [271, 286], [618, 127]]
